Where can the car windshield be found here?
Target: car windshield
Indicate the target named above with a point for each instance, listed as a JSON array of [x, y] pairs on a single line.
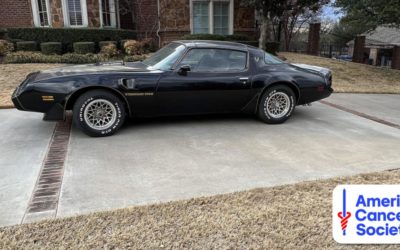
[[165, 57], [270, 59]]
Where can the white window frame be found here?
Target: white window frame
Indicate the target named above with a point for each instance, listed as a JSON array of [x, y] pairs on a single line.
[[211, 14], [36, 16], [66, 15], [113, 18]]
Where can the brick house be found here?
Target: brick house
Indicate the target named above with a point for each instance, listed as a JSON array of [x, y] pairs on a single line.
[[379, 47], [164, 20]]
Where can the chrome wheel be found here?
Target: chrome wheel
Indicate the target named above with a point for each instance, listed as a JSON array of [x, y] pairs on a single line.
[[278, 105], [100, 114]]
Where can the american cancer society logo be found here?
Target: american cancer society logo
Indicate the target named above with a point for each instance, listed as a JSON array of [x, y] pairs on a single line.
[[366, 214]]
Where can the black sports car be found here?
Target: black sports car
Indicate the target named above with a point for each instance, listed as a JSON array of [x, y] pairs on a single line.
[[184, 77]]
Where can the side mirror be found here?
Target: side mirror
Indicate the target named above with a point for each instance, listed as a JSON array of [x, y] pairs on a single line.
[[184, 69]]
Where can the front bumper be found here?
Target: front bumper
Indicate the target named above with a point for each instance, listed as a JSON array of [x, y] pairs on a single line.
[[17, 92], [15, 100], [27, 98]]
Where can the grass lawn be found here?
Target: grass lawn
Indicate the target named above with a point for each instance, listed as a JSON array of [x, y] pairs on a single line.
[[286, 217], [353, 77], [11, 75]]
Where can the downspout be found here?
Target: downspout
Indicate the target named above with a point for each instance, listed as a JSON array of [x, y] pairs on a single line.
[[118, 24], [159, 24]]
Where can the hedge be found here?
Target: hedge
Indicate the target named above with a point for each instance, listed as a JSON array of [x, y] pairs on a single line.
[[27, 46], [5, 47], [3, 33], [51, 48], [84, 47], [69, 58], [251, 43], [104, 43], [68, 36], [215, 37], [272, 47]]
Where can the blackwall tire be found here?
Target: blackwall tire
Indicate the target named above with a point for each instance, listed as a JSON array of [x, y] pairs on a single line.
[[277, 104], [99, 113]]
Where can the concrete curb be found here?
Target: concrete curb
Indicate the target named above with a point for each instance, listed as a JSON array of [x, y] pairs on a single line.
[[7, 106]]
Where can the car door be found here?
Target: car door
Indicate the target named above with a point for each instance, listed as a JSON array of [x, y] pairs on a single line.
[[206, 80]]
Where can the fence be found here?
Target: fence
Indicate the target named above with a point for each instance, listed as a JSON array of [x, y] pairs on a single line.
[[325, 49]]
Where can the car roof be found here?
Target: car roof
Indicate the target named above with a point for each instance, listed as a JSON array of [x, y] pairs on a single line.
[[215, 44]]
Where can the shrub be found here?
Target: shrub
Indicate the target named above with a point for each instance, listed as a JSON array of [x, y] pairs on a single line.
[[272, 47], [216, 37], [134, 58], [109, 50], [105, 43], [74, 58], [68, 36], [14, 41], [121, 44], [3, 33], [27, 46], [70, 58], [84, 47], [133, 47], [148, 45], [5, 47], [36, 57], [251, 43], [51, 48]]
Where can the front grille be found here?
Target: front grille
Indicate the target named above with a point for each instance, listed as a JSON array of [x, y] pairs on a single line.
[[329, 80], [15, 93]]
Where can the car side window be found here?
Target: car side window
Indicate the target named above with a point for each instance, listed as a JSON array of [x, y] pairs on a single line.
[[215, 60]]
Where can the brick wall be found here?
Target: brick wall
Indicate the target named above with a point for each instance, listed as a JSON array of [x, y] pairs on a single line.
[[359, 49], [93, 10], [396, 58], [15, 13], [175, 19], [56, 13], [244, 20], [146, 14], [313, 39]]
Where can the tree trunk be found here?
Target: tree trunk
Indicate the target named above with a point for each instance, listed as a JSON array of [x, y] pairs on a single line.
[[265, 30]]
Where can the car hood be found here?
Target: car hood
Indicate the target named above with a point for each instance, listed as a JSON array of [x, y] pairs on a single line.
[[312, 68], [92, 69]]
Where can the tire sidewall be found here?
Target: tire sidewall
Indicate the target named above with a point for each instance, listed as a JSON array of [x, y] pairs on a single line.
[[266, 97], [89, 97]]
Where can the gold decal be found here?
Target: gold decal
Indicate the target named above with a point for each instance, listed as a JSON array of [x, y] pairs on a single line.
[[140, 94], [47, 98]]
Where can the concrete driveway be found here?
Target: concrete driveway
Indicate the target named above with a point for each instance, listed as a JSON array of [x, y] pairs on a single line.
[[159, 160]]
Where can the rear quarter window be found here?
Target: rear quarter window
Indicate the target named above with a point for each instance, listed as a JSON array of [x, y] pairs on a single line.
[[270, 59]]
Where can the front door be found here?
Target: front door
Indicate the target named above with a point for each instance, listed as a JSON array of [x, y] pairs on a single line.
[[219, 81]]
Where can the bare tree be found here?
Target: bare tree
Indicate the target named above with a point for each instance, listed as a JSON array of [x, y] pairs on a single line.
[[135, 8]]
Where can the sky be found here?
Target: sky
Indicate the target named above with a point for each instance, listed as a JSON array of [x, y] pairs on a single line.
[[329, 12]]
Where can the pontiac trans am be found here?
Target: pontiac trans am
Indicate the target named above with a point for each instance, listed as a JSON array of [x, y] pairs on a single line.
[[184, 77]]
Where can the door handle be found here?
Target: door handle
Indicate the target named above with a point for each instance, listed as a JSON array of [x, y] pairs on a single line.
[[244, 80]]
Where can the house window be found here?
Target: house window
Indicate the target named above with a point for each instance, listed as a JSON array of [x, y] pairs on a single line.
[[108, 13], [75, 13], [212, 16], [200, 17], [41, 14], [221, 18]]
